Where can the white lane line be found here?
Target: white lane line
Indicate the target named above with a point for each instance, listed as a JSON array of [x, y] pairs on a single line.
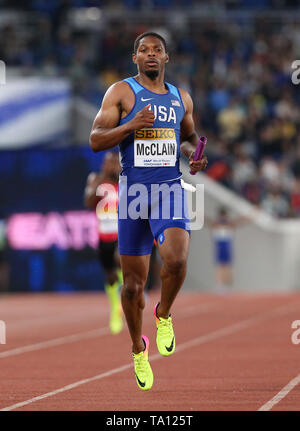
[[244, 324], [68, 387], [190, 310], [54, 319], [228, 330], [51, 313], [281, 394], [56, 342]]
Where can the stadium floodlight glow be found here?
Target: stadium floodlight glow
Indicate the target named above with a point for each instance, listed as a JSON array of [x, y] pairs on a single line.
[[2, 73]]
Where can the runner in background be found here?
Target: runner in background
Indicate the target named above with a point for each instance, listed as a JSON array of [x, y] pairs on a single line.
[[101, 194], [222, 229]]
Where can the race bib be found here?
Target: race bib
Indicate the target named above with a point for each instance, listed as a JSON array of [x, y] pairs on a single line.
[[155, 147]]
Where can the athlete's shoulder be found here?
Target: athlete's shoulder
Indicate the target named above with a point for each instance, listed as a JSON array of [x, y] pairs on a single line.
[[116, 94], [118, 88]]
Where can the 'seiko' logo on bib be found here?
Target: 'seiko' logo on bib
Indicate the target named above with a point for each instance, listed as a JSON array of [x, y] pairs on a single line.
[[155, 147]]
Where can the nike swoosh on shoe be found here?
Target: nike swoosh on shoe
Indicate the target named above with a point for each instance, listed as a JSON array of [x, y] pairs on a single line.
[[169, 349], [141, 383]]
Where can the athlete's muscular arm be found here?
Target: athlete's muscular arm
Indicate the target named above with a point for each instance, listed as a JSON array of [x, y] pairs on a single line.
[[188, 135], [106, 133]]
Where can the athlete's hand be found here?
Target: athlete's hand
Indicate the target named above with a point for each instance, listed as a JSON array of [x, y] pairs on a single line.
[[144, 118], [197, 165]]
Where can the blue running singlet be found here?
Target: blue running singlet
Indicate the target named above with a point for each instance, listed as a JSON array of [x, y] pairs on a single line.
[[152, 154]]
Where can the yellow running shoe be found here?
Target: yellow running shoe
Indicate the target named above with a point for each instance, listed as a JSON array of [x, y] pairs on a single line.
[[115, 321], [142, 368], [165, 337]]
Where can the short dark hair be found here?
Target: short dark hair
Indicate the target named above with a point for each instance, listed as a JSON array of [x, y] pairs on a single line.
[[148, 33]]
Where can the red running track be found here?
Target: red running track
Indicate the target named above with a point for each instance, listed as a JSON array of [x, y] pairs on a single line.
[[232, 353]]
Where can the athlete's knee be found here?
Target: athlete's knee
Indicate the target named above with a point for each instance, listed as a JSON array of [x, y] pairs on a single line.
[[133, 287], [175, 264]]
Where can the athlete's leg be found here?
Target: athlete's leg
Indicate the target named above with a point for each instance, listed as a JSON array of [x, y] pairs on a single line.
[[228, 275], [224, 277], [174, 253], [135, 271], [118, 263], [170, 227], [154, 282], [111, 276], [219, 274], [135, 245], [106, 254]]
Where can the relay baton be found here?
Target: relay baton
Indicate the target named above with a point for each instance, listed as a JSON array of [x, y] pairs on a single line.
[[199, 150]]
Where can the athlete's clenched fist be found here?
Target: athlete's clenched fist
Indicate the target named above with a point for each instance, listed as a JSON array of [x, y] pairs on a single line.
[[144, 118]]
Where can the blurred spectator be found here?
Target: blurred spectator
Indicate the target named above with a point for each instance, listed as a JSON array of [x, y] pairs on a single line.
[[269, 171], [275, 203], [219, 96], [231, 120], [243, 170]]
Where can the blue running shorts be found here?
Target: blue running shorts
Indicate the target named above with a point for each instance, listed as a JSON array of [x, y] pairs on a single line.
[[223, 252], [146, 210]]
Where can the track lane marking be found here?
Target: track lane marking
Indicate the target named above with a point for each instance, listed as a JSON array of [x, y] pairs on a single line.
[[281, 394], [56, 342], [189, 310], [55, 319], [228, 330]]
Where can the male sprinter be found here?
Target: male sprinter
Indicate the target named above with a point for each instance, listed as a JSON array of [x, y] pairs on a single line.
[[108, 178], [146, 101]]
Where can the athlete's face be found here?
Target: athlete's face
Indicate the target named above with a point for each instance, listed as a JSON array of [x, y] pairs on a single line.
[[151, 56]]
